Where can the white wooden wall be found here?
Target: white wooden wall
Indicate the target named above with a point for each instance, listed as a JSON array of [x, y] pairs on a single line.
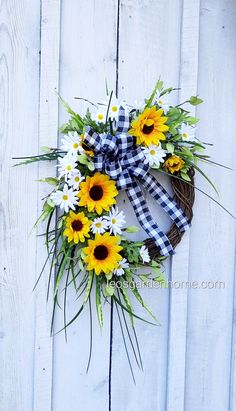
[[73, 46]]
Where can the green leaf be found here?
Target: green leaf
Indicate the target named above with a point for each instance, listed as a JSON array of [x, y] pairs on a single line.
[[50, 180], [98, 301], [186, 151], [89, 287], [109, 290], [132, 229], [154, 263], [185, 176], [91, 166], [161, 280], [194, 101], [82, 253], [166, 91], [83, 159], [170, 148], [50, 203], [47, 210]]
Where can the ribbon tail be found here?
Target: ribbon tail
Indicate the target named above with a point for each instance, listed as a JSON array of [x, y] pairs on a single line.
[[142, 212], [166, 202]]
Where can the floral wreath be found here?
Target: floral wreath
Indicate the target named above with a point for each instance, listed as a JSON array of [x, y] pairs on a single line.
[[110, 149]]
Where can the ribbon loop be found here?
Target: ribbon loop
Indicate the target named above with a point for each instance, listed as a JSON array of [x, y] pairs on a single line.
[[124, 162]]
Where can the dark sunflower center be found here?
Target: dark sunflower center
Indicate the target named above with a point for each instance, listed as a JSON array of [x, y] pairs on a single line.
[[85, 147], [147, 129], [77, 225], [96, 193], [101, 252]]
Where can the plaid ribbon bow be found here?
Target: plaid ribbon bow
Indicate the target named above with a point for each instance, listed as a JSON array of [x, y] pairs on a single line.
[[123, 161]]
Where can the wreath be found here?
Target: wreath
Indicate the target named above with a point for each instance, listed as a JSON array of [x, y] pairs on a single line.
[[113, 147]]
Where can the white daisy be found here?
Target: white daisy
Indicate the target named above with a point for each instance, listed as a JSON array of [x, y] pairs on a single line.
[[144, 254], [187, 132], [121, 266], [75, 180], [99, 225], [67, 166], [139, 105], [162, 102], [71, 143], [100, 114], [154, 154], [114, 108], [65, 199], [116, 220]]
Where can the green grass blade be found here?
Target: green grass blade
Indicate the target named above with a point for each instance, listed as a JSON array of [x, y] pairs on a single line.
[[125, 345], [134, 315], [89, 286], [98, 301], [201, 191], [144, 305]]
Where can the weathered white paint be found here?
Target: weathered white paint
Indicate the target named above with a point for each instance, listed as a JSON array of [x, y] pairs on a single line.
[[19, 74], [180, 262], [48, 126], [189, 362]]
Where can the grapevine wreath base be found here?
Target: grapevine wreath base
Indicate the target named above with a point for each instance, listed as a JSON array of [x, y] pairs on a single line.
[[184, 195]]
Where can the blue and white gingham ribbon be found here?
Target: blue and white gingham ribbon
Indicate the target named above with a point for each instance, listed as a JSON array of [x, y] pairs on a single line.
[[124, 162]]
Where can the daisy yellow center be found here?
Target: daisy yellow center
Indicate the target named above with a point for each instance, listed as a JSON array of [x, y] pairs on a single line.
[[113, 220], [75, 145], [68, 168], [96, 193], [98, 225], [65, 197], [114, 109], [152, 152], [100, 252], [77, 225], [185, 135], [76, 179], [148, 126], [160, 102], [100, 116]]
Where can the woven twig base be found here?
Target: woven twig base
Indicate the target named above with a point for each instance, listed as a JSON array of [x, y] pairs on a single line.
[[184, 195]]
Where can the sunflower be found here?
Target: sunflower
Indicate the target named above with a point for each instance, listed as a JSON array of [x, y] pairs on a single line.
[[85, 148], [102, 253], [173, 164], [77, 227], [149, 127], [97, 193]]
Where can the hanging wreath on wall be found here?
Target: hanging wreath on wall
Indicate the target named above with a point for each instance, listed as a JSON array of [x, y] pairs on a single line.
[[114, 147]]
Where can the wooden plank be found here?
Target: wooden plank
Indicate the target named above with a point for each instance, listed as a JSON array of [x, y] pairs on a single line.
[[147, 30], [48, 126], [212, 250], [232, 387], [180, 262], [88, 58], [19, 85]]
